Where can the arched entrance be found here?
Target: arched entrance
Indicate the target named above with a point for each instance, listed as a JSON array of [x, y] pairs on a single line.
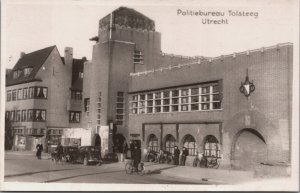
[[153, 143], [190, 144], [118, 143], [170, 143], [249, 150], [97, 140], [211, 146]]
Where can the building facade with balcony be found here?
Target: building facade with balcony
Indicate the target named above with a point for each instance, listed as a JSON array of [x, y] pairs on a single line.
[[43, 97]]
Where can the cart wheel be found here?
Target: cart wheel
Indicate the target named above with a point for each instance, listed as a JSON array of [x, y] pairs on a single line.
[[85, 161]]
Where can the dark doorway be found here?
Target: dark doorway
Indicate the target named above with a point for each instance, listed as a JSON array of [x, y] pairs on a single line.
[[97, 140]]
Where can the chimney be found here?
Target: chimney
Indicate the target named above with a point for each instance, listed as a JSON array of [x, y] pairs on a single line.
[[22, 54], [68, 55]]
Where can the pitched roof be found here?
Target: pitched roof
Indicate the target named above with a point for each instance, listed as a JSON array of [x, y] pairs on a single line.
[[35, 60]]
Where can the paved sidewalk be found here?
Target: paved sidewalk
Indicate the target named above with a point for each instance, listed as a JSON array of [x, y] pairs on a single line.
[[28, 153]]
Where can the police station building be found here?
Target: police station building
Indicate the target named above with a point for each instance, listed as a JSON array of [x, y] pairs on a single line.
[[236, 107]]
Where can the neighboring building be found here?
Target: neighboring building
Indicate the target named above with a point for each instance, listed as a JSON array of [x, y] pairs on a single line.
[[43, 97], [135, 92]]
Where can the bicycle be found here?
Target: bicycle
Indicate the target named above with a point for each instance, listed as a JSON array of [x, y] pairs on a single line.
[[209, 162], [129, 169]]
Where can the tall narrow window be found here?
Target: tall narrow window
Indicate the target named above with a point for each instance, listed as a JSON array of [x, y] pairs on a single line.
[[14, 95], [134, 104], [25, 93], [99, 105], [18, 116], [30, 115], [24, 115], [8, 96], [211, 147], [87, 105], [31, 92], [120, 108], [12, 115], [20, 94]]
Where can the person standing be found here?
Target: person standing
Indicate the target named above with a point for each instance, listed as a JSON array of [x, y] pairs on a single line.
[[185, 153], [59, 152], [39, 148], [176, 155], [136, 155], [125, 149]]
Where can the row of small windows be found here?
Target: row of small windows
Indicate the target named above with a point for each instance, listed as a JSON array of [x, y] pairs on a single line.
[[25, 72], [37, 131], [35, 92], [99, 109], [120, 106], [211, 147], [38, 115], [200, 98]]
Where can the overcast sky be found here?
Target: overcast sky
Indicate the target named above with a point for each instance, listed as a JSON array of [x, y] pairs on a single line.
[[39, 24]]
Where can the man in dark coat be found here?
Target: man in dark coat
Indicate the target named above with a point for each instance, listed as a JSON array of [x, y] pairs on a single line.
[[185, 153], [59, 152], [39, 148], [176, 155], [137, 155]]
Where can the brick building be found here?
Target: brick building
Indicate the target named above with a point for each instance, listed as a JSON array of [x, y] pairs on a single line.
[[43, 97], [133, 91]]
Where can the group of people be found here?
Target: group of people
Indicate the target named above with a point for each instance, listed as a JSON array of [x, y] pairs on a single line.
[[184, 154]]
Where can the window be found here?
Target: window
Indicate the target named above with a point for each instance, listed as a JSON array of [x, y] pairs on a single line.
[[18, 115], [99, 109], [24, 113], [120, 107], [27, 71], [12, 115], [190, 144], [17, 74], [87, 105], [31, 91], [20, 94], [40, 92], [204, 97], [7, 115], [153, 143], [211, 147], [74, 117], [39, 115], [25, 93], [80, 74], [30, 115], [14, 95], [8, 95], [76, 95], [138, 57], [170, 143]]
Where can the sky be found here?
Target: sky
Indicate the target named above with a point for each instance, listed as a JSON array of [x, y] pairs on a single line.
[[32, 25]]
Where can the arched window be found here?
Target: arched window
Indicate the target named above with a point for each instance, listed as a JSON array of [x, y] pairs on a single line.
[[153, 143], [189, 142], [170, 143], [211, 146]]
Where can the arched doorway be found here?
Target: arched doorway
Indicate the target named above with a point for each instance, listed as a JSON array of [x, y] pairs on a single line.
[[118, 143], [97, 140], [170, 143], [190, 144], [153, 143], [249, 150], [211, 146]]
